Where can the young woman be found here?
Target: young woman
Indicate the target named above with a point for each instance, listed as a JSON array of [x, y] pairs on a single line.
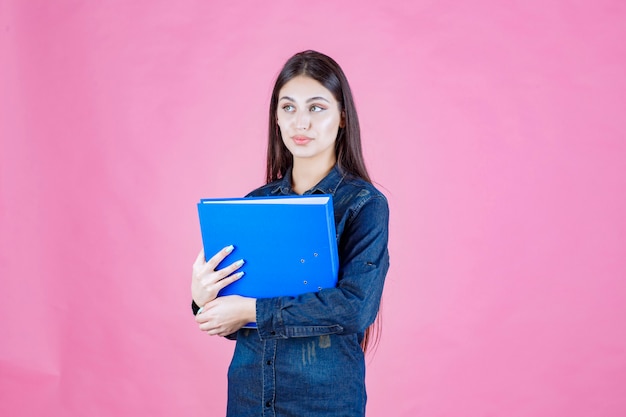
[[306, 357]]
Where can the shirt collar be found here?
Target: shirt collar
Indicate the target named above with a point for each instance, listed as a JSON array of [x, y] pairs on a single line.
[[328, 185]]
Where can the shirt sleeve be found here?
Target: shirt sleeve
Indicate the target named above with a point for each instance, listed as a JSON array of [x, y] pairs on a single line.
[[352, 305]]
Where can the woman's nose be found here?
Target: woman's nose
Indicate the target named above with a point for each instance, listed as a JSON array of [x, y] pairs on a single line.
[[302, 121]]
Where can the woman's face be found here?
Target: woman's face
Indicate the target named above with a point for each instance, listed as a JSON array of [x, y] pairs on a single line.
[[309, 118]]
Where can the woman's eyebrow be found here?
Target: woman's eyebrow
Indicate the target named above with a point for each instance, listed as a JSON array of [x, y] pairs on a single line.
[[308, 101]]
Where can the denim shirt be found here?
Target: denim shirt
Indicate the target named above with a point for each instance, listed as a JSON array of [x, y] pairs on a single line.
[[305, 359]]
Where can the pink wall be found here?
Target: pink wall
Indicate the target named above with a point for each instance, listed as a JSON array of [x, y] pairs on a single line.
[[495, 128]]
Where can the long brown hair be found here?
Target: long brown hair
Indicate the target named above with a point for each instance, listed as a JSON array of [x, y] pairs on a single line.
[[327, 72]]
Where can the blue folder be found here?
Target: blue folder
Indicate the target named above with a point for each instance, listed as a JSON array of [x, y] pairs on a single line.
[[289, 244]]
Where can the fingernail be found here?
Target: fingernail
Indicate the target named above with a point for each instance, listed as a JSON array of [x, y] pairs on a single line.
[[240, 274], [239, 262], [229, 248]]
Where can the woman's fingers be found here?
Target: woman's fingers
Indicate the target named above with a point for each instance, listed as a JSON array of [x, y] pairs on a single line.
[[229, 279], [213, 275], [226, 315], [206, 281], [218, 257], [224, 276], [231, 268]]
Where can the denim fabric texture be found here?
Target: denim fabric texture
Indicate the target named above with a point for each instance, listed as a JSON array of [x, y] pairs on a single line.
[[305, 358]]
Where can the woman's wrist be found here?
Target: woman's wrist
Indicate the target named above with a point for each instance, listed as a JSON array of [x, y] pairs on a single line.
[[195, 308], [251, 310]]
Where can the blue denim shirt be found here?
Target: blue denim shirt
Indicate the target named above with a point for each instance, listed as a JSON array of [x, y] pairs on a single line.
[[305, 359]]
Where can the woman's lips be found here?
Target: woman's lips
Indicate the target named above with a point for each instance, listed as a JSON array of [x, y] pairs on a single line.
[[301, 140]]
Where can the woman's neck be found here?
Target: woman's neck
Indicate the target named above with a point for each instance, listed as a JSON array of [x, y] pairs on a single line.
[[308, 173]]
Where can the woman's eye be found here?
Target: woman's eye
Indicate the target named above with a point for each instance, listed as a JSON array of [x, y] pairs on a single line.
[[316, 108], [288, 108]]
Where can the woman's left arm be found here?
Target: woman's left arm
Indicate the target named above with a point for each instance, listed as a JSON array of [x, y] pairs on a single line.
[[351, 306], [225, 315]]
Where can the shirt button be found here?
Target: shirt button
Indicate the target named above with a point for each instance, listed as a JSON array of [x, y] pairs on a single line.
[[273, 333], [269, 362], [268, 404]]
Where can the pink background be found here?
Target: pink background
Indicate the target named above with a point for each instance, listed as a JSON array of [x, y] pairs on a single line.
[[496, 129]]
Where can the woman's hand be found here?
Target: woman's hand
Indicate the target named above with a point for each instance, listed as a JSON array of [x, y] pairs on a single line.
[[225, 315], [206, 281]]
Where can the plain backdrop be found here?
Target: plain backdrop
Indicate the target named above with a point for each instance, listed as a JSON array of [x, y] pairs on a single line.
[[496, 130]]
